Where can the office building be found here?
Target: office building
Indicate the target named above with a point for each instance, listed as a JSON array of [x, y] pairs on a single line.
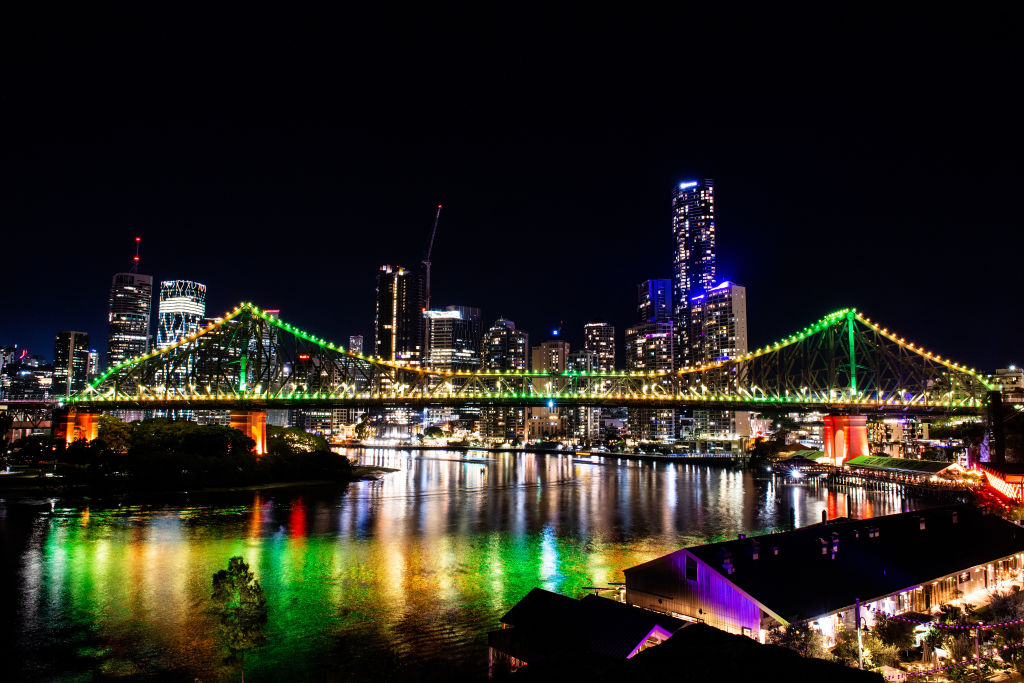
[[398, 324], [583, 423], [130, 310], [181, 309], [25, 377], [718, 322], [550, 357], [355, 343], [70, 363], [651, 347], [94, 364], [654, 301], [718, 331], [599, 337], [694, 257], [505, 349], [453, 339], [180, 313]]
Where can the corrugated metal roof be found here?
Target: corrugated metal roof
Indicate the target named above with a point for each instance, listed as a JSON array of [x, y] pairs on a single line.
[[873, 558]]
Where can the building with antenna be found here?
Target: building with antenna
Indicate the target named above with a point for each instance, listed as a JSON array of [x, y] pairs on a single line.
[[130, 310]]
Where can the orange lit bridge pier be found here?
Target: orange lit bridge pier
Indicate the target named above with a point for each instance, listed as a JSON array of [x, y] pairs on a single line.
[[844, 365]]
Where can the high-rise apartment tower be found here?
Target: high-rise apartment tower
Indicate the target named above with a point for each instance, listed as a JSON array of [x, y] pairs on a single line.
[[694, 258], [398, 324]]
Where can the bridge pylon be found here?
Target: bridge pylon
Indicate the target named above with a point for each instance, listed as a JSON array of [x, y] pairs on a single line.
[[76, 424], [845, 437], [252, 423]]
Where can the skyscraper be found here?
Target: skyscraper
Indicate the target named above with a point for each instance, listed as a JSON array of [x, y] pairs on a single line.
[[181, 310], [651, 347], [718, 331], [70, 362], [398, 324], [355, 343], [453, 338], [599, 337], [506, 349], [694, 258], [551, 357], [180, 314], [718, 319], [654, 301], [94, 364], [583, 423], [131, 306]]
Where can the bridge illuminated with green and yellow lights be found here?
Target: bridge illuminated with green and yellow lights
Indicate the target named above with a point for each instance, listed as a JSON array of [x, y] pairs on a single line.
[[249, 359]]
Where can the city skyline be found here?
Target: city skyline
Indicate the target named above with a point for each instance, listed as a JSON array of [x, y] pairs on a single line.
[[293, 201], [523, 310]]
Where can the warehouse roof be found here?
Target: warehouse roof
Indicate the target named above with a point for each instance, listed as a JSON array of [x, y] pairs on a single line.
[[823, 568]]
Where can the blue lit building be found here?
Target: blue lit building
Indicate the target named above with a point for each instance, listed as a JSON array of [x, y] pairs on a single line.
[[694, 258]]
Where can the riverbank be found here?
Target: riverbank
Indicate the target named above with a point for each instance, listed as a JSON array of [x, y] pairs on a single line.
[[703, 459], [39, 485]]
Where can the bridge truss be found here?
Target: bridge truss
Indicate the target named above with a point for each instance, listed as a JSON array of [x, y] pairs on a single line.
[[251, 359]]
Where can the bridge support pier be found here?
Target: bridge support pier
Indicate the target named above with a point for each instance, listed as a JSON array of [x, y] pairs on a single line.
[[252, 423], [77, 424], [845, 437]]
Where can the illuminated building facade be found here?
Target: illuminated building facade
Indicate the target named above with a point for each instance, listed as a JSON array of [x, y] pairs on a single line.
[[398, 324], [1011, 384], [25, 377], [130, 311], [654, 301], [583, 424], [70, 362], [599, 337], [181, 310], [744, 586], [453, 338], [694, 257], [551, 356], [718, 331], [94, 363], [355, 343], [507, 349], [651, 346]]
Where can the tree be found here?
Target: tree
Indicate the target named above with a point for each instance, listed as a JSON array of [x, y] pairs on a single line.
[[801, 639], [433, 432], [243, 608], [365, 429], [893, 632], [294, 440], [116, 434]]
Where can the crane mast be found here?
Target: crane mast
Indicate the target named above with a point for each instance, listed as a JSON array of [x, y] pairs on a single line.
[[426, 259]]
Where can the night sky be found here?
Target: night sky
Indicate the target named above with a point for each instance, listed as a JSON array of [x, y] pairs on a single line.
[[282, 162]]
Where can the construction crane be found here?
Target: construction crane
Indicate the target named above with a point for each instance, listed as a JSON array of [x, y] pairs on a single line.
[[426, 259]]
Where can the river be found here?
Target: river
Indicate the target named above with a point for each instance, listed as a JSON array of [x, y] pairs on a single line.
[[389, 579]]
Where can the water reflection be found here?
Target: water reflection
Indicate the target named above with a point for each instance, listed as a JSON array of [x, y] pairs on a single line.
[[396, 572]]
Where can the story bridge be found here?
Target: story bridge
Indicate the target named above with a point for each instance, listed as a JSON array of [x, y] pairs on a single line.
[[844, 365]]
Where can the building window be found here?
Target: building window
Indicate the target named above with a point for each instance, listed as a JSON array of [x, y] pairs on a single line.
[[691, 569]]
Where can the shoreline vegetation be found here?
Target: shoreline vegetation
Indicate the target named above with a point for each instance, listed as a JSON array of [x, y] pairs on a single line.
[[166, 457]]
